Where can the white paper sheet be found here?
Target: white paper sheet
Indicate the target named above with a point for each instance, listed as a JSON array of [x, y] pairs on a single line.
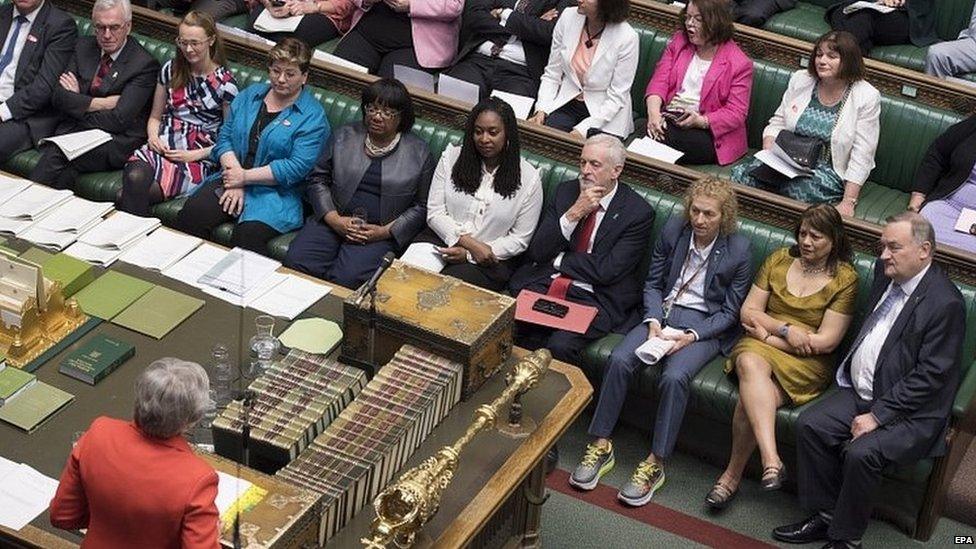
[[161, 249], [55, 240], [865, 5], [24, 494], [189, 269], [229, 488], [268, 23], [462, 90], [119, 231], [33, 202], [9, 187], [655, 149], [75, 214], [6, 467], [655, 348], [336, 60], [770, 159], [290, 297], [95, 255], [521, 104], [262, 287], [966, 220], [414, 77], [425, 256], [15, 227], [239, 272], [76, 144]]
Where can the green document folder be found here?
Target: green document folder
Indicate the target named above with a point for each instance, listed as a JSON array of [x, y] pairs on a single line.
[[34, 405], [12, 382], [111, 293], [36, 255], [312, 335], [157, 312], [73, 274]]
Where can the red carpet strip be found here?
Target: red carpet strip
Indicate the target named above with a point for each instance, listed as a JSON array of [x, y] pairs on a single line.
[[657, 516]]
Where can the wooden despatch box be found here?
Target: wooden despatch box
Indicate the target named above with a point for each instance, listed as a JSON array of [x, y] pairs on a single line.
[[437, 313]]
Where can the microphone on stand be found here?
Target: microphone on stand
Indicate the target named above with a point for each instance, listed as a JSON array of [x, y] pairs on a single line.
[[370, 284]]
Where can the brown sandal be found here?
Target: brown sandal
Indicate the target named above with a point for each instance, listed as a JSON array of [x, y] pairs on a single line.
[[720, 496]]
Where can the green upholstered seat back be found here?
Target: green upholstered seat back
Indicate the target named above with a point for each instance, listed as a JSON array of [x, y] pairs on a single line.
[[907, 129], [652, 44]]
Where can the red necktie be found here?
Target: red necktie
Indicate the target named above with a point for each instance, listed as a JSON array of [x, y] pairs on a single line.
[[100, 74], [560, 285]]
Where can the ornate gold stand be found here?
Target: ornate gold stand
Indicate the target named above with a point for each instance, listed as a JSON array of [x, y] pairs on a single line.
[[403, 508]]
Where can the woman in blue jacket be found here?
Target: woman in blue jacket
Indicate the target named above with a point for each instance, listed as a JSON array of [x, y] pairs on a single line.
[[267, 145]]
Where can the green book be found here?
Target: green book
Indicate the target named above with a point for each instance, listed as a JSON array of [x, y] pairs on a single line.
[[34, 405], [111, 294], [36, 255], [96, 359], [73, 274], [12, 382], [157, 312]]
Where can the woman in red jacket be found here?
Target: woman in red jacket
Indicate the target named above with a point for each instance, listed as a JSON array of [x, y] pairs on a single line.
[[138, 484]]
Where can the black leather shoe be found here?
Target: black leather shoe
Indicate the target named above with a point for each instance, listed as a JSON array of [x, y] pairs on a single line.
[[811, 529], [835, 544]]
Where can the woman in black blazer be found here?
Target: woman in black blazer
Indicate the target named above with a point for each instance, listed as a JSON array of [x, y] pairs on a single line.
[[945, 184], [368, 191]]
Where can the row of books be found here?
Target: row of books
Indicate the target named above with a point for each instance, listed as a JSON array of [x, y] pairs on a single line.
[[361, 451], [293, 402]]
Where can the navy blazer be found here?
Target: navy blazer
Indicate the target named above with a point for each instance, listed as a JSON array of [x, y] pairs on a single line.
[[918, 368], [727, 279], [49, 45], [611, 267]]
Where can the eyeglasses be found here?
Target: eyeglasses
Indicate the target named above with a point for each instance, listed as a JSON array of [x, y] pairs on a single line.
[[112, 29], [191, 44], [381, 112]]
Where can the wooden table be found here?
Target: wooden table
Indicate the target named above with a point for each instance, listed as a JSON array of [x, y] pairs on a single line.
[[493, 501]]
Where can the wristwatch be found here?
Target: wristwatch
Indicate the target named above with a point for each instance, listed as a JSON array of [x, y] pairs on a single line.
[[784, 330]]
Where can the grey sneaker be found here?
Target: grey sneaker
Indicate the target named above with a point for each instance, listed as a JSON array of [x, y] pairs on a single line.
[[596, 462], [642, 484]]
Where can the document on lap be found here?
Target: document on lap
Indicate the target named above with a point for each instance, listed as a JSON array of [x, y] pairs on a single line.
[[780, 162], [654, 349], [577, 320], [76, 144], [866, 5], [268, 23], [425, 256], [655, 149]]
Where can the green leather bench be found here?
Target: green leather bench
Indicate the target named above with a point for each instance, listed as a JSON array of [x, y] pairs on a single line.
[[706, 433], [907, 127]]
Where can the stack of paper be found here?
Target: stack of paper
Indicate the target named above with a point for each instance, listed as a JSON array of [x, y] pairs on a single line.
[[292, 295], [655, 149], [235, 494], [63, 225], [76, 144], [104, 243], [160, 250], [29, 206], [239, 272], [10, 187], [24, 494], [189, 269]]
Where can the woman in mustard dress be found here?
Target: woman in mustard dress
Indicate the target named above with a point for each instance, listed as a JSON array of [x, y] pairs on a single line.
[[795, 315]]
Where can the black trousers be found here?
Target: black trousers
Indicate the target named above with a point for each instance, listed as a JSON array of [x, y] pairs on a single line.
[[379, 60], [14, 138], [219, 9], [492, 277], [754, 13], [492, 73], [872, 28], [696, 143], [314, 29], [55, 170], [840, 475], [564, 345], [202, 214]]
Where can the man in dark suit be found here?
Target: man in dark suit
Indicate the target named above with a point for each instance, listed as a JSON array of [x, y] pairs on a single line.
[[108, 85], [507, 44], [699, 275], [37, 40], [587, 249], [755, 13], [897, 386], [912, 22]]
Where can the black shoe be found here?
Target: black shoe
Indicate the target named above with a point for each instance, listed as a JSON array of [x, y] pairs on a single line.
[[837, 544], [811, 529]]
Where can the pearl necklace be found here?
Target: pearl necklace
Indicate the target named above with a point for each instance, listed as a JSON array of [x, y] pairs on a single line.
[[374, 151]]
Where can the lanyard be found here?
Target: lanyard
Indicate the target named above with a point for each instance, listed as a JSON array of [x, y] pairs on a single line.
[[668, 304]]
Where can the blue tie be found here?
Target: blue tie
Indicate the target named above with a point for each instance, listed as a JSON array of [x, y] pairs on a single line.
[[8, 54], [872, 320]]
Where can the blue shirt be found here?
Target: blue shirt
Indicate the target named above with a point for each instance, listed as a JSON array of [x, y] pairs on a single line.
[[290, 145]]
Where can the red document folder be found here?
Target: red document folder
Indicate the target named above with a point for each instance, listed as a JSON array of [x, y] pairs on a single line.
[[577, 320]]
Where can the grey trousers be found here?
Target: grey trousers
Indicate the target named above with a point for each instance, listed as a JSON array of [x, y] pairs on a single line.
[[951, 58]]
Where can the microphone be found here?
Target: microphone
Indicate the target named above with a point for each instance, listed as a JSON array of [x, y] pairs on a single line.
[[370, 284]]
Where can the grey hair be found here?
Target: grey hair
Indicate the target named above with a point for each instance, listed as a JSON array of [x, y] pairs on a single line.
[[102, 5], [922, 230], [615, 148], [171, 396]]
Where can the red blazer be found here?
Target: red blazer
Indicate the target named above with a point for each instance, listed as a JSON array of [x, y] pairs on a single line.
[[725, 91], [131, 490]]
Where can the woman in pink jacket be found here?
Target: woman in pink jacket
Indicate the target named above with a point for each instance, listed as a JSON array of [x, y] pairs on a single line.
[[421, 34], [698, 98]]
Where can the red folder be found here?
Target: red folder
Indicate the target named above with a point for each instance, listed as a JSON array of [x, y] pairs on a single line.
[[577, 320]]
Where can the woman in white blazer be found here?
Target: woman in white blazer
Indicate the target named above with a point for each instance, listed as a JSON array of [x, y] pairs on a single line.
[[831, 101], [484, 202], [586, 85]]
